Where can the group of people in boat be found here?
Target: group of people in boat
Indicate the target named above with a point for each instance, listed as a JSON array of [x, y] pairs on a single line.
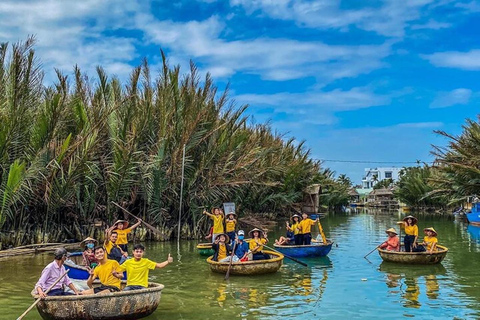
[[107, 262], [299, 232], [410, 240]]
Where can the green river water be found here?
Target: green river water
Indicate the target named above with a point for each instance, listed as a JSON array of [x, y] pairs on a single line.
[[342, 285]]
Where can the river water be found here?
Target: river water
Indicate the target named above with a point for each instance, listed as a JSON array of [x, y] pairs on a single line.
[[342, 285]]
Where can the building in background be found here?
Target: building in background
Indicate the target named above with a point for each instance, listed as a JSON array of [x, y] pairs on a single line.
[[375, 175]]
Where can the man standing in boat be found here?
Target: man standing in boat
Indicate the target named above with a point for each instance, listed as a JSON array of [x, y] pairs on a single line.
[[139, 267], [51, 273]]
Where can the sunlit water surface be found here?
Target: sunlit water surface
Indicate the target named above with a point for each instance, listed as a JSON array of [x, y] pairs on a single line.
[[341, 286]]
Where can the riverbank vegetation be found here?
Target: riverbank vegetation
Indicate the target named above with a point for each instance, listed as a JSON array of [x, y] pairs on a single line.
[[68, 150]]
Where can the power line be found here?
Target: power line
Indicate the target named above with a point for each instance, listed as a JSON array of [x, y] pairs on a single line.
[[366, 161]]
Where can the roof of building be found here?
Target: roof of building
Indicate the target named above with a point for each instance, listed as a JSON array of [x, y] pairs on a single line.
[[364, 191], [353, 192], [382, 192]]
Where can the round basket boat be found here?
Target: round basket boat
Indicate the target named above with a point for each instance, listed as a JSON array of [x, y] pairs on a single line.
[[248, 268], [205, 249], [133, 304], [313, 250], [414, 257]]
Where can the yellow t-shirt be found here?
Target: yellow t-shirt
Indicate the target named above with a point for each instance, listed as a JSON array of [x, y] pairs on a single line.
[[252, 244], [137, 271], [104, 273], [306, 225], [108, 246], [222, 251], [230, 225], [411, 230], [430, 241], [217, 223], [122, 235], [296, 228]]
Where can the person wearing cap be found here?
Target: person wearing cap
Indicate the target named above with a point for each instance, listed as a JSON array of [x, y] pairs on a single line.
[[108, 271], [430, 240], [51, 273], [230, 224], [241, 250], [306, 227], [138, 268], [88, 255], [393, 242], [121, 227], [295, 228], [114, 251], [258, 239], [411, 233], [217, 218], [221, 248]]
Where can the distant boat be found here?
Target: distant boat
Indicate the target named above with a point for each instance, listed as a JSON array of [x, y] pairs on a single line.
[[473, 216], [249, 268], [205, 249], [414, 257]]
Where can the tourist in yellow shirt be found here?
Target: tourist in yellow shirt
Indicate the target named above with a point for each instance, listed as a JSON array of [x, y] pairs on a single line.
[[217, 218], [295, 228], [113, 250], [411, 233], [258, 239], [222, 250], [306, 227], [107, 271], [138, 268], [121, 228], [230, 224], [430, 240]]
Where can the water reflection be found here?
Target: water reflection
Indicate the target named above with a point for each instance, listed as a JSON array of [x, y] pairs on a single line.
[[407, 281]]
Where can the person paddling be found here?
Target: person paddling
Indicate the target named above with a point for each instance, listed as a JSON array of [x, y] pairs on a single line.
[[393, 242], [51, 273], [241, 250], [138, 268], [411, 233], [306, 227]]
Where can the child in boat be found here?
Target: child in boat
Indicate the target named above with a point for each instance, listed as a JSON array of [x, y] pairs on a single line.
[[295, 228], [258, 239], [430, 241], [217, 218], [393, 242], [121, 227], [306, 227], [289, 239], [230, 224], [138, 268], [411, 233], [88, 255], [221, 248]]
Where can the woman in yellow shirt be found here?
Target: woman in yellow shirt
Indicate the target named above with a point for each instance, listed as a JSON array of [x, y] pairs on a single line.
[[295, 228], [217, 218], [121, 228], [255, 244], [430, 240], [221, 248], [230, 224], [306, 227], [411, 233]]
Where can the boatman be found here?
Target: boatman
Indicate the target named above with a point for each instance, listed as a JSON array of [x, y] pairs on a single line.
[[139, 267], [51, 273]]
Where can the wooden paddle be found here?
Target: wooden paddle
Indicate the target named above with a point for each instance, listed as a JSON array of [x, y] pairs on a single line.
[[40, 298], [146, 224], [231, 260], [374, 249], [288, 257], [321, 232]]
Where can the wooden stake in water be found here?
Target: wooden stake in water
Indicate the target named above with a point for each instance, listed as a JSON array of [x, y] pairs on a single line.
[[181, 202]]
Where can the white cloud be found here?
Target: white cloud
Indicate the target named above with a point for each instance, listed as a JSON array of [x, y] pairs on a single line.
[[431, 24], [420, 125], [454, 97], [389, 19], [455, 59]]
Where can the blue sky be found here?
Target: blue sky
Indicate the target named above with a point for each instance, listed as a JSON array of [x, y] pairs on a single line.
[[358, 80]]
